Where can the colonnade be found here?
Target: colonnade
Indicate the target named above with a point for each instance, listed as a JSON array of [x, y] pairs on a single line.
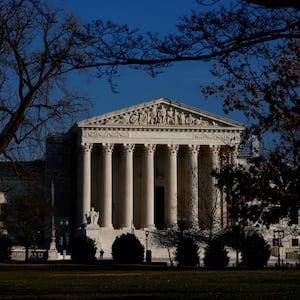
[[125, 203]]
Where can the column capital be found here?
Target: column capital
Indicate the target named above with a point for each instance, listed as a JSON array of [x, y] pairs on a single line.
[[193, 148], [172, 149], [128, 148], [149, 148], [86, 147], [107, 147], [215, 148], [235, 148]]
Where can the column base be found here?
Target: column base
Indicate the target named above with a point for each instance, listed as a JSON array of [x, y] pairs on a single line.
[[149, 227], [173, 226], [192, 225], [106, 226]]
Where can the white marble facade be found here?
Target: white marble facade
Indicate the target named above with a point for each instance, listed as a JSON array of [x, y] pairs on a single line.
[[149, 166]]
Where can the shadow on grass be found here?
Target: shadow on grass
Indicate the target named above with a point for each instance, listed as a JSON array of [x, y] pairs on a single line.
[[106, 280]]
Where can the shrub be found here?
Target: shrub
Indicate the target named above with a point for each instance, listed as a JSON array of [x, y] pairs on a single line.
[[5, 248], [187, 252], [83, 249], [127, 249], [215, 255], [255, 252]]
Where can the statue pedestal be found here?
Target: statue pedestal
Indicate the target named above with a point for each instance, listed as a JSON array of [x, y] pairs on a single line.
[[53, 254], [93, 232], [92, 229]]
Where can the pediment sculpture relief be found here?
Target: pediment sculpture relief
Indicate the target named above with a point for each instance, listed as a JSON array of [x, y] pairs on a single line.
[[159, 115]]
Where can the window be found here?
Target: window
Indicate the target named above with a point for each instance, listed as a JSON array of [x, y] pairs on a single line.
[[295, 242]]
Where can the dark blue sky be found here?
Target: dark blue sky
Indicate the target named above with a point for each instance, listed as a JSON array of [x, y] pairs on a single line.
[[181, 82]]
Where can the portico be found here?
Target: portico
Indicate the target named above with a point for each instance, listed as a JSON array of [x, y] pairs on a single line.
[[149, 165]]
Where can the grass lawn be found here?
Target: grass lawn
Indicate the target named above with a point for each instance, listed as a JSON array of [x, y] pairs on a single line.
[[103, 282]]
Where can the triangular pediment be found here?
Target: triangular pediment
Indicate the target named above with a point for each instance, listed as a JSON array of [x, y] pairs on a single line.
[[160, 112]]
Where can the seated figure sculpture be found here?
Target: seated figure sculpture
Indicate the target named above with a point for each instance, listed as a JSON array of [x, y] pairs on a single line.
[[92, 217]]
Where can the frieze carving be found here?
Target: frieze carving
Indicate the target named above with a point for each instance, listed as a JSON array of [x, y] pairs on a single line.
[[104, 134], [225, 137], [159, 115]]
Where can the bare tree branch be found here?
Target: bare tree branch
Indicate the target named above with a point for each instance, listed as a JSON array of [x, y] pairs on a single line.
[[276, 3], [40, 45]]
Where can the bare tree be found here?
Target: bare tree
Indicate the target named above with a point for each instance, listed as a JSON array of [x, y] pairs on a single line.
[[256, 48], [26, 221], [265, 3], [276, 3], [39, 46], [211, 226], [257, 67]]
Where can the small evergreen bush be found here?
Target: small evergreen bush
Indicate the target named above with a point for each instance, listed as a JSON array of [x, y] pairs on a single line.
[[187, 252], [216, 255], [255, 251], [127, 249], [5, 248], [83, 249]]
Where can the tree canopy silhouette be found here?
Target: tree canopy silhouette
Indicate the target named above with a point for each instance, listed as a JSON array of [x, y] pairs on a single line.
[[40, 45]]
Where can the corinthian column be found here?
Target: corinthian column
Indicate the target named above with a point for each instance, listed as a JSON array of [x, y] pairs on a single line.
[[233, 155], [216, 205], [171, 190], [215, 157], [85, 206], [106, 197], [192, 209], [148, 202], [127, 205]]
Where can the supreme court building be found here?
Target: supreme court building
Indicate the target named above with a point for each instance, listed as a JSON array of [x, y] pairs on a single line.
[[149, 167], [140, 169]]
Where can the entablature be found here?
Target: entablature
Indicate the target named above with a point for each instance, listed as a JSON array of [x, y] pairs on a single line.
[[161, 136]]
